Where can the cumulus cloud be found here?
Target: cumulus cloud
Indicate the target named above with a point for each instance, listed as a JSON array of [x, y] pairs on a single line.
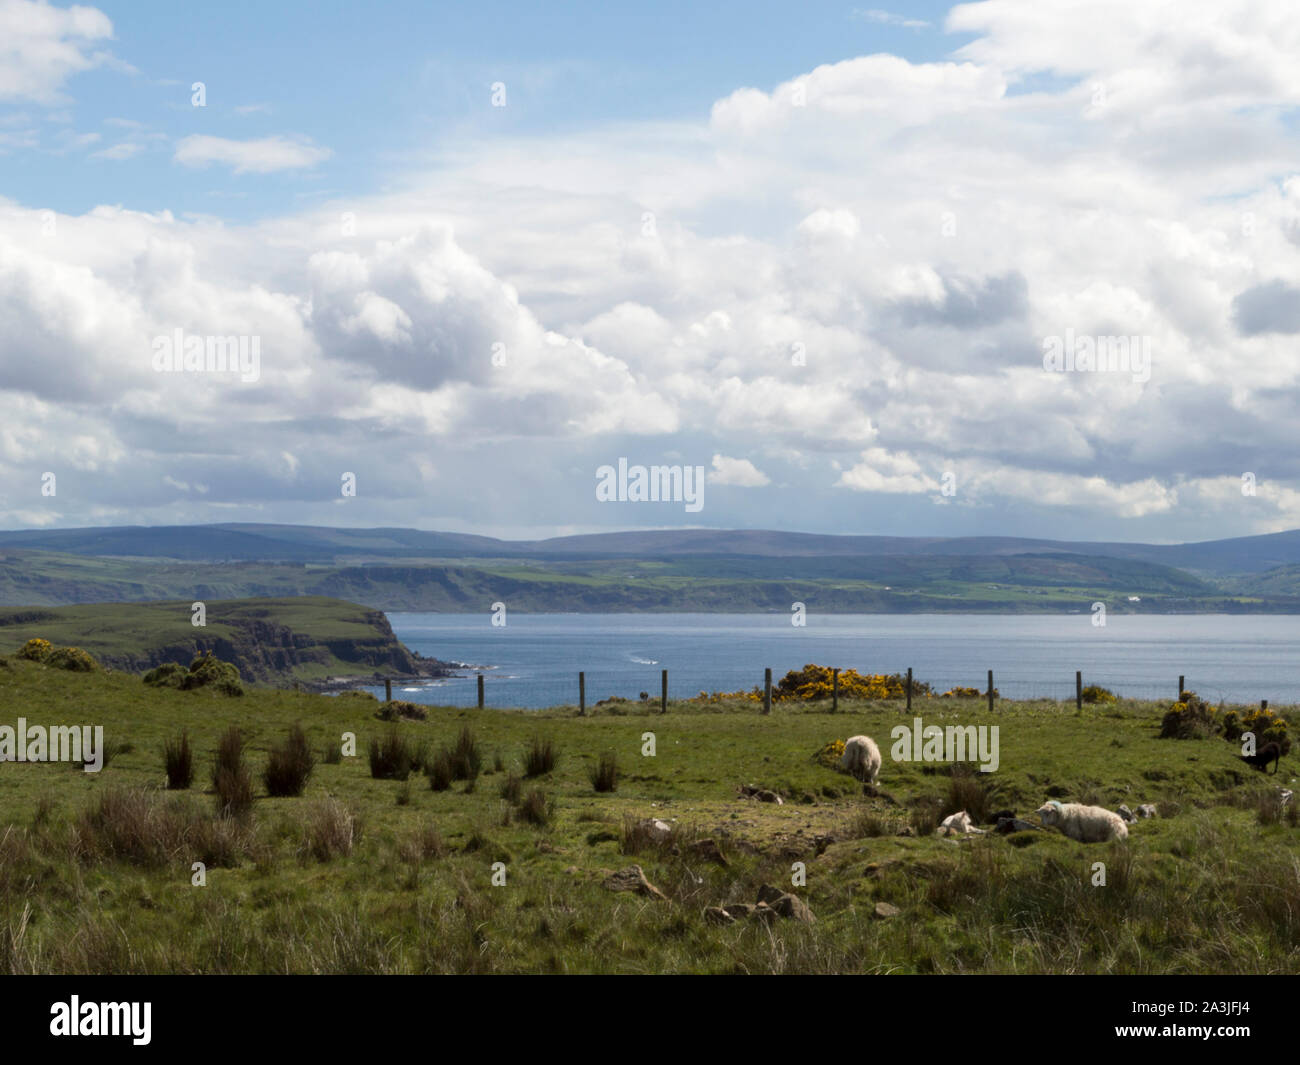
[[42, 46], [847, 277], [738, 473]]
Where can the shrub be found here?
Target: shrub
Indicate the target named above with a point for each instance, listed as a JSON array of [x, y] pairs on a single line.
[[168, 675], [208, 671], [399, 710], [178, 759], [539, 759], [1094, 693], [1265, 724], [535, 809], [71, 658], [925, 817], [36, 649], [425, 842], [466, 760], [231, 779], [829, 756], [289, 765], [867, 824], [390, 757], [966, 791], [604, 774], [1189, 718], [332, 753]]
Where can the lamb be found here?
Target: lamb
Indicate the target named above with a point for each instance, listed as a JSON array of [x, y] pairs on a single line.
[[861, 757], [1087, 824], [959, 824], [1270, 752]]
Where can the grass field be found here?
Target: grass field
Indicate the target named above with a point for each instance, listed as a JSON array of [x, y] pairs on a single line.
[[369, 875]]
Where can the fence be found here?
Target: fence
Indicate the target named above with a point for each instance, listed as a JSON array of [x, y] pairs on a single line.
[[554, 692]]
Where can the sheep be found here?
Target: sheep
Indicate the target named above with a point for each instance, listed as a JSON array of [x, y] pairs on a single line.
[[1270, 752], [1087, 824], [861, 757], [959, 824]]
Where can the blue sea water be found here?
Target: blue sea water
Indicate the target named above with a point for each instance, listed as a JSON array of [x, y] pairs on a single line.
[[533, 661]]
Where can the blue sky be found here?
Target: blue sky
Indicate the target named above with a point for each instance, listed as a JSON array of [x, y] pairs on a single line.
[[384, 87], [819, 252]]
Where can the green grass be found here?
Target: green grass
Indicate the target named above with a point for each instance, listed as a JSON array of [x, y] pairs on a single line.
[[365, 875]]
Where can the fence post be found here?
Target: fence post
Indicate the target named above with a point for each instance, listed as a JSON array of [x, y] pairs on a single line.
[[1181, 678], [835, 691], [388, 689], [480, 691], [1263, 704], [990, 691], [663, 692], [909, 688], [1078, 689], [767, 690], [582, 694]]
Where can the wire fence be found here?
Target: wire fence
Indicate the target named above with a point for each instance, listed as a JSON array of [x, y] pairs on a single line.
[[504, 689]]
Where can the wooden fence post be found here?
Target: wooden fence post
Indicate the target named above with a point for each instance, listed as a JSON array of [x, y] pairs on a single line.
[[663, 692], [582, 694], [767, 691], [909, 688], [990, 691], [1078, 689], [388, 689], [1263, 704], [480, 691], [1181, 678], [835, 691]]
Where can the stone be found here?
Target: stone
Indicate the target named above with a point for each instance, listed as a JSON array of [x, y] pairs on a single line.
[[708, 850], [1126, 814], [739, 910], [885, 910], [717, 915], [633, 879], [1007, 825], [1146, 810], [794, 908], [767, 893]]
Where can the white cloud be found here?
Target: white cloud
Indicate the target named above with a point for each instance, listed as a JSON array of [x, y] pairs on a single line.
[[262, 156], [738, 473], [42, 46]]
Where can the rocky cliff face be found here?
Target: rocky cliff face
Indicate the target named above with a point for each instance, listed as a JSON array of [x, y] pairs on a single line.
[[266, 652]]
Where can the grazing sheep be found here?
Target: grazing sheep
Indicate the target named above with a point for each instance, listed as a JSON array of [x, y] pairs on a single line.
[[1270, 752], [1087, 824], [861, 757]]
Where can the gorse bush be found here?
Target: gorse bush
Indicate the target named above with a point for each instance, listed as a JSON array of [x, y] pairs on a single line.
[[289, 765], [813, 683], [71, 658], [1265, 724], [178, 759], [36, 649], [1191, 718], [206, 671], [1094, 693]]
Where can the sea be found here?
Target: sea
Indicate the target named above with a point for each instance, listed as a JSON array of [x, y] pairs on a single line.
[[533, 660]]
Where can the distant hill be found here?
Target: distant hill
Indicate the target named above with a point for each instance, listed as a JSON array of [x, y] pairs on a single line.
[[305, 543], [683, 570]]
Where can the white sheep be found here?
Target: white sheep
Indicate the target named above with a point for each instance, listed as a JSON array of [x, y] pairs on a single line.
[[1087, 824], [861, 757], [959, 824]]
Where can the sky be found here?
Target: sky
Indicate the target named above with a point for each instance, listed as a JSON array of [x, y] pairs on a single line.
[[1000, 268]]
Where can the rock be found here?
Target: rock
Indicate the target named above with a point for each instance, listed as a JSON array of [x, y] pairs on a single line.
[[770, 796], [794, 908], [767, 893], [708, 850], [572, 870], [739, 910], [1126, 814], [1286, 796], [906, 830], [633, 879], [885, 910], [1146, 810], [717, 915], [657, 830], [764, 912], [1007, 825]]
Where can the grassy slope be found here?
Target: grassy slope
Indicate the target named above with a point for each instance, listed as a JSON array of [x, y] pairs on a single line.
[[331, 636], [1204, 888]]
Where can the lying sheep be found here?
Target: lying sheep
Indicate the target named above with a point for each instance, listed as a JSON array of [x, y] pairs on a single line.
[[1087, 824], [959, 824], [861, 757]]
